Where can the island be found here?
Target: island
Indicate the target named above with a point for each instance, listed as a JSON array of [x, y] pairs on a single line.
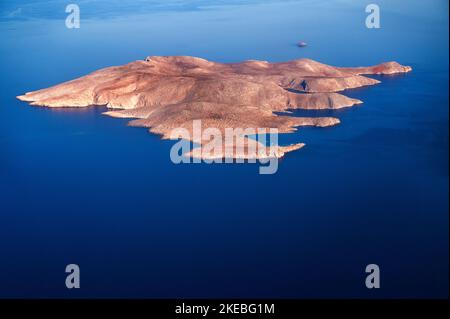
[[164, 93]]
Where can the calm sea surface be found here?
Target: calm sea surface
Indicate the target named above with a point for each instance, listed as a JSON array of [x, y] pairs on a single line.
[[80, 187]]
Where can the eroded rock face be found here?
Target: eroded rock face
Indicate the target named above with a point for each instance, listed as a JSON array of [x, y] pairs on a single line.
[[164, 93]]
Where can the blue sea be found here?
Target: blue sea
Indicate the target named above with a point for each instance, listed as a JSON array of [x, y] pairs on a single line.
[[80, 187]]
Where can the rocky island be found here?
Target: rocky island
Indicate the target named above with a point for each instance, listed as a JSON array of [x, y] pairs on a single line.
[[164, 93]]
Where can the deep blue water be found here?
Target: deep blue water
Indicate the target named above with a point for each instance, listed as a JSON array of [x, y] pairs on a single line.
[[80, 187]]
